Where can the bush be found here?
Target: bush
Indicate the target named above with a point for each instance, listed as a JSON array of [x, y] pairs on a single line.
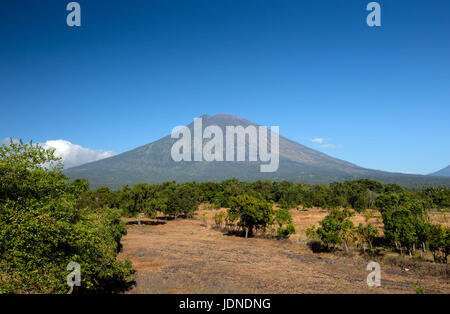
[[284, 221], [219, 218], [42, 230], [253, 213], [285, 232], [336, 228]]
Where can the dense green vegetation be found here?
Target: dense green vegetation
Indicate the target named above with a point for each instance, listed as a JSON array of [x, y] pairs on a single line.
[[47, 222], [250, 207], [406, 226], [42, 230], [182, 199]]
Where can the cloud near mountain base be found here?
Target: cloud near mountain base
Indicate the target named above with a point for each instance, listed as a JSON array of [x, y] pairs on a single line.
[[72, 155], [75, 155]]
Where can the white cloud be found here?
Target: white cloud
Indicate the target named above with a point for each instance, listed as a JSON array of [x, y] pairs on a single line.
[[317, 140], [74, 155], [321, 143]]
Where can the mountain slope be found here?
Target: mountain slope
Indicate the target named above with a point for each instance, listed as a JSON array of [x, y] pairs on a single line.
[[152, 163], [442, 173]]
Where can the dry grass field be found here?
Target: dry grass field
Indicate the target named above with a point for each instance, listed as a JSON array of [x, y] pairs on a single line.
[[185, 256]]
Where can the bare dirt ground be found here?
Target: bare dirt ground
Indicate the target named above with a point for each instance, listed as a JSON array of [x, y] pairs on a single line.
[[184, 256]]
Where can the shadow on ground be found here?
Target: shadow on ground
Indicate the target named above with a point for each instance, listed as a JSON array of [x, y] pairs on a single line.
[[146, 222]]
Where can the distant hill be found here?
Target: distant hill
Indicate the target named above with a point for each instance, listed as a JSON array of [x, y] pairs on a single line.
[[152, 163], [442, 173]]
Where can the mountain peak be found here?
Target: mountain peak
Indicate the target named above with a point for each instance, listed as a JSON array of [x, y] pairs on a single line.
[[224, 119], [225, 116]]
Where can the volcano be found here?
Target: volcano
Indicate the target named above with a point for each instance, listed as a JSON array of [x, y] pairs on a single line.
[[153, 163]]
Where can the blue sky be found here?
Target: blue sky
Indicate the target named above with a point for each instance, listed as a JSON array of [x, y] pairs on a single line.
[[378, 97]]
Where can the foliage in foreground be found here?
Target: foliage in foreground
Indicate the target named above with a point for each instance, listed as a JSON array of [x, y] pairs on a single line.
[[42, 230]]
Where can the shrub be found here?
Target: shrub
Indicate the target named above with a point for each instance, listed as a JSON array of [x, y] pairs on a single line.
[[336, 228], [311, 233], [284, 221], [253, 213], [219, 218], [42, 230], [285, 232]]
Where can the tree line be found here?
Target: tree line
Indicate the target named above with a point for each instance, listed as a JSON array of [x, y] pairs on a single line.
[[182, 199]]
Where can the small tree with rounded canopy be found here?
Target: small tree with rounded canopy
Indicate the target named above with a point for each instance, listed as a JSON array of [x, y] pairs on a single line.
[[337, 228], [253, 213]]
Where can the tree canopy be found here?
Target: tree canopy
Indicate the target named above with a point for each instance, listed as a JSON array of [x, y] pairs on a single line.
[[42, 230]]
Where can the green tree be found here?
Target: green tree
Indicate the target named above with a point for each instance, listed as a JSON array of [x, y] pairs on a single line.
[[360, 202], [337, 228], [157, 204], [284, 221], [402, 213], [142, 196], [367, 233], [253, 213], [183, 200], [399, 229], [439, 242], [78, 187], [42, 230]]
